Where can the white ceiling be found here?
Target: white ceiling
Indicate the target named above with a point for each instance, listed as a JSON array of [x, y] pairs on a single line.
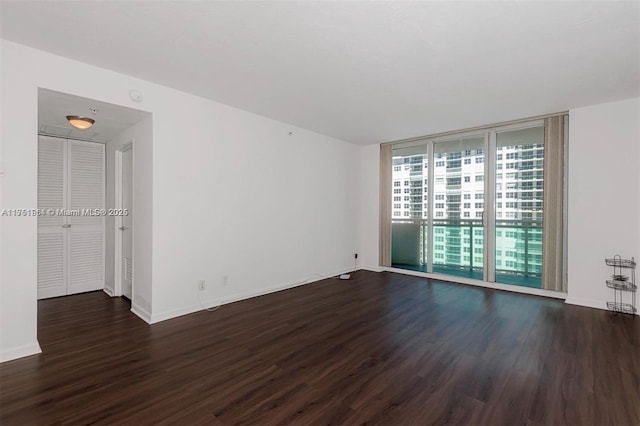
[[365, 72], [111, 120]]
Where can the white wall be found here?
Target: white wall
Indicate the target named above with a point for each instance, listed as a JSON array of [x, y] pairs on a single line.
[[18, 239], [142, 136], [238, 196], [234, 194], [604, 196]]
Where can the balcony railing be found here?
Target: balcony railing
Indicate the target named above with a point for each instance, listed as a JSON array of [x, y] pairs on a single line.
[[519, 242]]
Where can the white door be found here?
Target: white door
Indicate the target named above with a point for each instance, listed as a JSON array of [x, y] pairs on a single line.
[[126, 273], [52, 231], [86, 232], [71, 244]]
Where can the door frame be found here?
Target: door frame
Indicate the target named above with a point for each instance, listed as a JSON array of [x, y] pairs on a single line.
[[118, 222]]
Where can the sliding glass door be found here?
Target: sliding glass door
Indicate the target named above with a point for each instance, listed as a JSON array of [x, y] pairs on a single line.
[[471, 207], [459, 189], [519, 206]]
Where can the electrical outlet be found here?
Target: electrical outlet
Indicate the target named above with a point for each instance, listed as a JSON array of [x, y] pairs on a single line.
[[201, 285], [355, 255], [225, 280]]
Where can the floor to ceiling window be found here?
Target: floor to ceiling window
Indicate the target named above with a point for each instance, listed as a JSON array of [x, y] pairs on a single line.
[[410, 206], [458, 207], [519, 203], [472, 205]]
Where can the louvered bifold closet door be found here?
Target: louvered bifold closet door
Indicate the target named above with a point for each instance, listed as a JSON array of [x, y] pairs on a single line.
[[86, 185], [52, 258]]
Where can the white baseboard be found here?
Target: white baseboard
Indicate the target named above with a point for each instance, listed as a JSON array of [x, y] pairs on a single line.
[[163, 316], [20, 352], [372, 268], [108, 291], [142, 313], [588, 303]]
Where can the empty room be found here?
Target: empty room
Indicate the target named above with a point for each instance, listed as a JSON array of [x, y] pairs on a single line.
[[319, 212]]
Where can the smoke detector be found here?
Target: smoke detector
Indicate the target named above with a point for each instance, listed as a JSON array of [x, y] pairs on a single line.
[[135, 95]]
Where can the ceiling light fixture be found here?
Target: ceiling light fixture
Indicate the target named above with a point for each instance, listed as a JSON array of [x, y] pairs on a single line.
[[78, 122]]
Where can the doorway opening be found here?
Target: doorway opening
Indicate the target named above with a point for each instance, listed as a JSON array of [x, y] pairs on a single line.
[[85, 196]]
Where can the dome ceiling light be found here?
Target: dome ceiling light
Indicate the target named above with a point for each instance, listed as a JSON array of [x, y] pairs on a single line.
[[79, 122]]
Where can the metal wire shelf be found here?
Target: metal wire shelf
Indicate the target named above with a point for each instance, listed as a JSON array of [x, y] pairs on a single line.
[[625, 308], [621, 285], [621, 263], [624, 286]]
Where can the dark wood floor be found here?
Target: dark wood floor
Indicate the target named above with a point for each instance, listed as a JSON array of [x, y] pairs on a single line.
[[378, 349]]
